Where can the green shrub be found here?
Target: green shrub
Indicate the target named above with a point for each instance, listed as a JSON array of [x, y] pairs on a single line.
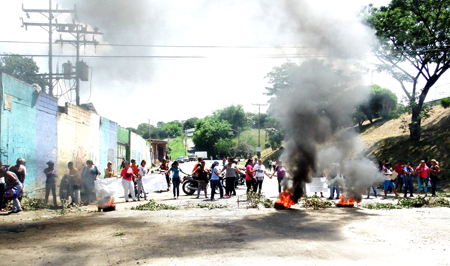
[[257, 198], [316, 203], [33, 204], [445, 102], [152, 205]]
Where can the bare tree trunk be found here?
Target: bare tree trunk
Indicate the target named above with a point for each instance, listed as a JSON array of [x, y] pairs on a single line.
[[415, 129]]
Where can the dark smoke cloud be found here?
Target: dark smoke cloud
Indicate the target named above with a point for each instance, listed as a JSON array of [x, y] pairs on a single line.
[[121, 22], [316, 109]]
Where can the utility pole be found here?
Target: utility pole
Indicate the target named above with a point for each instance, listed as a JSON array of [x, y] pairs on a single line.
[[79, 32], [50, 14], [258, 152]]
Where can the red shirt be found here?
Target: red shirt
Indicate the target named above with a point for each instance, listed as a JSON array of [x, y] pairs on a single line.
[[399, 169], [424, 170], [248, 169], [127, 174]]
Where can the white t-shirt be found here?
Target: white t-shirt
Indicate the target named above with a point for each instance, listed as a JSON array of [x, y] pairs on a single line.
[[260, 173], [142, 170], [387, 173]]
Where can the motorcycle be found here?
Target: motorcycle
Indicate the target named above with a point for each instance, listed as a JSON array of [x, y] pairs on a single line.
[[190, 184]]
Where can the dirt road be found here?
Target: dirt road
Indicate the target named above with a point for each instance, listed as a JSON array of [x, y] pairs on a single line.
[[196, 236]]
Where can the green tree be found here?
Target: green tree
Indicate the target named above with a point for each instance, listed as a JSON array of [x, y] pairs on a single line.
[[208, 132], [380, 103], [160, 124], [143, 128], [190, 123], [172, 129], [22, 68], [234, 114], [225, 147], [414, 41]]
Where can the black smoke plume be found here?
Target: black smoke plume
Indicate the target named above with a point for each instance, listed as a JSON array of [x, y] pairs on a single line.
[[316, 108]]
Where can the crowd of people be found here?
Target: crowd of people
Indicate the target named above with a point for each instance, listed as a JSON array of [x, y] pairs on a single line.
[[397, 178], [401, 177]]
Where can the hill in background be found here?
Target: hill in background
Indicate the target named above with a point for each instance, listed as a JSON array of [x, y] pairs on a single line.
[[386, 140]]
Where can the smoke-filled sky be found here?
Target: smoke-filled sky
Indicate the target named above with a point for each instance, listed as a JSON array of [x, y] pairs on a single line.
[[242, 35]]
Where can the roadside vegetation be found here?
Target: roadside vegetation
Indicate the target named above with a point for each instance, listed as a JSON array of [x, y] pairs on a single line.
[[177, 148]]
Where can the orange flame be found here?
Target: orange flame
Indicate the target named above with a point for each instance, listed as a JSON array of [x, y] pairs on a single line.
[[344, 201], [284, 200]]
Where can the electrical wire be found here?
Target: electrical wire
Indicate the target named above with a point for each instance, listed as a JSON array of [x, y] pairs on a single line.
[[287, 56], [177, 46]]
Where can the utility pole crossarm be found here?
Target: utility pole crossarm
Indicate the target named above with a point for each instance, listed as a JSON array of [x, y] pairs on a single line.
[[50, 15], [63, 11]]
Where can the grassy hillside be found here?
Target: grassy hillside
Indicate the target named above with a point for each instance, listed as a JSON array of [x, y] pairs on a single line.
[[250, 136], [177, 148], [387, 141]]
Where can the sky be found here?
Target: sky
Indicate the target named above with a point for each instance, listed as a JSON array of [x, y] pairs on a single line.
[[211, 54]]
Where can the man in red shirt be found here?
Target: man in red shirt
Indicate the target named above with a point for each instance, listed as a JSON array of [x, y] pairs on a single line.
[[422, 176], [398, 168]]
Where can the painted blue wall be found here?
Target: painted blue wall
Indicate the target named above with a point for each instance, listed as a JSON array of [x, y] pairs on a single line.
[[108, 143], [28, 130], [46, 134]]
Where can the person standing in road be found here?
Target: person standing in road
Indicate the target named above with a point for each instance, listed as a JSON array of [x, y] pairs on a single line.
[[422, 177], [215, 180], [176, 180], [127, 182], [250, 180], [50, 182], [388, 180], [280, 171], [75, 183], [408, 179], [143, 171], [163, 168], [260, 172], [399, 169], [435, 170], [230, 176], [202, 178], [89, 174], [109, 171]]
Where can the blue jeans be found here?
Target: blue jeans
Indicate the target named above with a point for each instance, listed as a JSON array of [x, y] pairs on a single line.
[[433, 186], [374, 191], [215, 183], [176, 187], [140, 189], [422, 182], [332, 189], [408, 186]]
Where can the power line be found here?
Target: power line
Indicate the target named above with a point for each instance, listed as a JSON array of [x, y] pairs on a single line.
[[181, 46], [287, 56]]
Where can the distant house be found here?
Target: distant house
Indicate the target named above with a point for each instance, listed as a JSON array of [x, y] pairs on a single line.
[[189, 132], [159, 149]]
